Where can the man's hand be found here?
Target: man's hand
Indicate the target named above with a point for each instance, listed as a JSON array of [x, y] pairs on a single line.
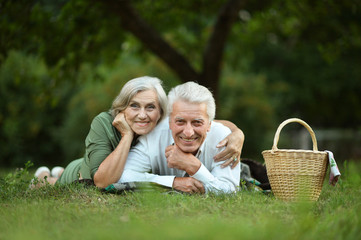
[[188, 185], [121, 125], [178, 159], [232, 153]]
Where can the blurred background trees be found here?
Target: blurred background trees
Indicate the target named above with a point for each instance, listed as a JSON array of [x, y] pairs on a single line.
[[62, 62]]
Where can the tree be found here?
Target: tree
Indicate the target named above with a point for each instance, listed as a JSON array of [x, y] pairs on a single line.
[[209, 75], [264, 60]]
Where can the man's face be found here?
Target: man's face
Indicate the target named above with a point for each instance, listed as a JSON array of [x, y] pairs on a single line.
[[189, 123]]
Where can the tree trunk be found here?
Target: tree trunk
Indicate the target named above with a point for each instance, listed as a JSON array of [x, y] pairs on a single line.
[[212, 55], [133, 23]]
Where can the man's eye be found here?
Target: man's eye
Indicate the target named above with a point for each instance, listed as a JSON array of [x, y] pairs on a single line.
[[197, 123]]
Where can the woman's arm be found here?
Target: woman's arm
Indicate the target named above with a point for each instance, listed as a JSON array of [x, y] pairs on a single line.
[[111, 169], [233, 143]]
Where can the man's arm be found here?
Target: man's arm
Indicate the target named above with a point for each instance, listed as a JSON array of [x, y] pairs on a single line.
[[219, 179], [138, 166]]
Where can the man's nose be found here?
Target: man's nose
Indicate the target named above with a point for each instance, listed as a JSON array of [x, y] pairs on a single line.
[[188, 130]]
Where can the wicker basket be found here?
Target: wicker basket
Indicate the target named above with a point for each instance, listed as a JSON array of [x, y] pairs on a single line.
[[295, 174]]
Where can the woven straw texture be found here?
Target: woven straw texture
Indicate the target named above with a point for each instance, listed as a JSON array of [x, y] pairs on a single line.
[[295, 174]]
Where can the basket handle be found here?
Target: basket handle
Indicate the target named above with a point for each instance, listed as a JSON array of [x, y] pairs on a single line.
[[284, 123]]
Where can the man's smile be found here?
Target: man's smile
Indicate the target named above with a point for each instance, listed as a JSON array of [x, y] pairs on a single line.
[[188, 140]]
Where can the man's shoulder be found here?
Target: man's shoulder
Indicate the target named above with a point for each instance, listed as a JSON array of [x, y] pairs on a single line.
[[162, 126], [219, 129], [154, 143], [217, 132], [160, 131]]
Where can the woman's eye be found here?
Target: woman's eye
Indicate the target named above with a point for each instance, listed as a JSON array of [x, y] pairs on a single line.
[[151, 107], [134, 105]]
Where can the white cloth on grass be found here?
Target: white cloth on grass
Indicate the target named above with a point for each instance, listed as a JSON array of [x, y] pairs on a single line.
[[334, 172]]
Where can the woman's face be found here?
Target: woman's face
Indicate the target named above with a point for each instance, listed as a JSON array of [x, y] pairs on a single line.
[[143, 112]]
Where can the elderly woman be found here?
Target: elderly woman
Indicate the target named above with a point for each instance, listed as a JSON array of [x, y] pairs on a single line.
[[140, 105]]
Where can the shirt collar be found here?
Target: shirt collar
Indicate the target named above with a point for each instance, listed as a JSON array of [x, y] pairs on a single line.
[[200, 150]]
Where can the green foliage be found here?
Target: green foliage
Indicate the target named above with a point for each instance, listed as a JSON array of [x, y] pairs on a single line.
[[14, 184], [64, 33], [246, 100], [29, 110], [310, 52], [289, 59]]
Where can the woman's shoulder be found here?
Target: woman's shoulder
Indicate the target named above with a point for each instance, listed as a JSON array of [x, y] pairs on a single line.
[[102, 126], [104, 117]]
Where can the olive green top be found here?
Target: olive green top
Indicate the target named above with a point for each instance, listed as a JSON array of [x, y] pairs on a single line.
[[101, 141]]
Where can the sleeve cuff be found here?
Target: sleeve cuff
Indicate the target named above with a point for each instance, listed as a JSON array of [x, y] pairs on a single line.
[[203, 175], [164, 180]]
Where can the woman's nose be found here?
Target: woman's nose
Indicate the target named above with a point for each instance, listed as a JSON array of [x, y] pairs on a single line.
[[142, 114]]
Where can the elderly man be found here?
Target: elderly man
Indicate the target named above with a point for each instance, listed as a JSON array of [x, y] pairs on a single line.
[[179, 152]]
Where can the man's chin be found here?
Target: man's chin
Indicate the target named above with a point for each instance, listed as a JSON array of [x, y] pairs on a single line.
[[188, 149]]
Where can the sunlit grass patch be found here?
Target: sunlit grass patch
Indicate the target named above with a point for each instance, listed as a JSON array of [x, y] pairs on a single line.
[[69, 212]]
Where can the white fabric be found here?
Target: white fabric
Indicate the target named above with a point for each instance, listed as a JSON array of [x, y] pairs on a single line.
[[56, 171], [147, 162], [40, 170], [334, 172]]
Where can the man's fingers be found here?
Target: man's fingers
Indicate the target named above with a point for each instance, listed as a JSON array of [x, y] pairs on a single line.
[[169, 148], [200, 187], [168, 151]]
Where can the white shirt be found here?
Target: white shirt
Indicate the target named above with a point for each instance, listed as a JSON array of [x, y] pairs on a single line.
[[146, 161]]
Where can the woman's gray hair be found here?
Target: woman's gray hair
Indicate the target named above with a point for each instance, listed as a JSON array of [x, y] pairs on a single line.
[[193, 93], [136, 85]]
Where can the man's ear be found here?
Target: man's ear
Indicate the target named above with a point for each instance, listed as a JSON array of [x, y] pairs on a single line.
[[209, 127]]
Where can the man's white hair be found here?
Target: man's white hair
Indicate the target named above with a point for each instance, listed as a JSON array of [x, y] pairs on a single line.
[[193, 93]]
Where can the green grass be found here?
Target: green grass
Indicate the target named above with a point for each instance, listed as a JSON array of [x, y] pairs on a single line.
[[75, 212]]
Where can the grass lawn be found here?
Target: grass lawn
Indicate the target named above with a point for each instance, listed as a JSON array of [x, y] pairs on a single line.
[[75, 212]]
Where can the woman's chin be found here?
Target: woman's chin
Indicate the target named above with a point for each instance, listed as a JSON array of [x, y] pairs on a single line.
[[142, 131]]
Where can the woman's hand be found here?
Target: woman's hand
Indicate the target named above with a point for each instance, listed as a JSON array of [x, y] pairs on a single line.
[[121, 124], [232, 153]]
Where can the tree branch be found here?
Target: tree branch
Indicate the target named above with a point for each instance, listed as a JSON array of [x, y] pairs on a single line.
[[132, 22], [213, 53]]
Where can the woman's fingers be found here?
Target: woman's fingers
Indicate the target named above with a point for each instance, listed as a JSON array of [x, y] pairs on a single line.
[[233, 162]]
